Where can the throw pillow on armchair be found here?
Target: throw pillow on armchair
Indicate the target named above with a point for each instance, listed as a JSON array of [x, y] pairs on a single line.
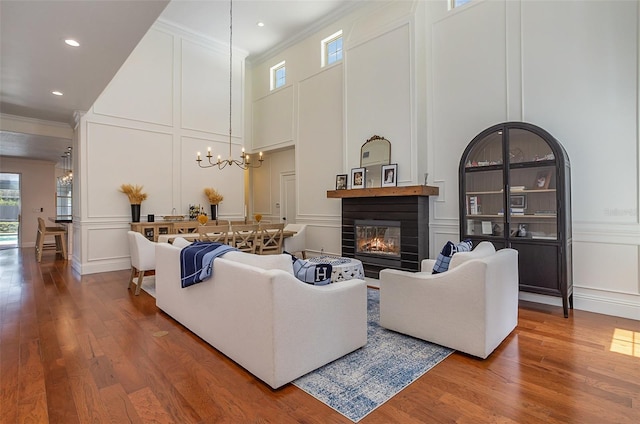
[[447, 252]]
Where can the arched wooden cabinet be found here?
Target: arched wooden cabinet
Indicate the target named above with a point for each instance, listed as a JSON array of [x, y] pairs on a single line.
[[515, 191]]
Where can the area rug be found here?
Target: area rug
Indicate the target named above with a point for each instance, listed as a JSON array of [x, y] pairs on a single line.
[[361, 381]]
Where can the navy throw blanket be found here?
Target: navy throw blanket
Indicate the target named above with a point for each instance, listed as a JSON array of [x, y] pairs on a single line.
[[196, 261]]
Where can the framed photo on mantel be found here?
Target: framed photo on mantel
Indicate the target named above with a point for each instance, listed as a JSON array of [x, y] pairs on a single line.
[[357, 178], [390, 175], [341, 182]]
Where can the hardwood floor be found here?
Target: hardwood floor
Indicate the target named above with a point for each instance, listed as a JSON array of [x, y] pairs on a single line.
[[85, 349]]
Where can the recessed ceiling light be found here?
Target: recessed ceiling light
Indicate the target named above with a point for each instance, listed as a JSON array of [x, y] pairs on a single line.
[[56, 93], [72, 43], [260, 24]]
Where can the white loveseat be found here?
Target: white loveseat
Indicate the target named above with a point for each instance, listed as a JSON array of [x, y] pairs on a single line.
[[256, 312], [472, 307]]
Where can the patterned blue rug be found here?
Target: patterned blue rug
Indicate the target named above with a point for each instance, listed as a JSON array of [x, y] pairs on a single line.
[[359, 382]]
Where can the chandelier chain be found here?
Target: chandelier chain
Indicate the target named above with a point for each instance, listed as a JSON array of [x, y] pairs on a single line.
[[245, 162]]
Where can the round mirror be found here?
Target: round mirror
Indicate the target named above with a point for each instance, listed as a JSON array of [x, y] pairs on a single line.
[[374, 153]]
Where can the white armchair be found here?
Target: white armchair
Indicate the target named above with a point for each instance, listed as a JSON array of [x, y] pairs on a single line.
[[143, 257], [471, 308], [298, 242]]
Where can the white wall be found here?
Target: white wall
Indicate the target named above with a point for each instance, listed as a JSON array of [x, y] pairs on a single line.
[[38, 178], [570, 67], [313, 112], [167, 102], [430, 79], [266, 190], [37, 191]]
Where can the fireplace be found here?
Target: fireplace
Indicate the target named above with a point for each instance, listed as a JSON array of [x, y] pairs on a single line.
[[398, 221], [378, 238], [400, 215]]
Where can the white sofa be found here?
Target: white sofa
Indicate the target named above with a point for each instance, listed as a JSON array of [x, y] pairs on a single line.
[[471, 308], [255, 311]]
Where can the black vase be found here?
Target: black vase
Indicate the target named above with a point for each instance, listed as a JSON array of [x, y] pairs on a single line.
[[214, 212], [135, 213]]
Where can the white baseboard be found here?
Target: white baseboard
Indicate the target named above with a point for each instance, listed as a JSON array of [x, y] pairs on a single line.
[[618, 305]]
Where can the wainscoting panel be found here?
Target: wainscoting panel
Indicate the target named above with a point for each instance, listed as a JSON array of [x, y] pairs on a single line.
[[376, 105], [204, 100], [319, 151], [273, 119], [142, 90], [119, 155]]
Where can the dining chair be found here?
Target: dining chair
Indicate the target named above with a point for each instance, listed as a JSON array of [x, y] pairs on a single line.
[[243, 237], [143, 257], [297, 242], [216, 233], [270, 239], [185, 227], [60, 235]]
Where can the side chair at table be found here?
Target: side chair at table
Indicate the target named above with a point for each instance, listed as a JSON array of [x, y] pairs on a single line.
[[243, 237], [217, 233], [270, 238], [143, 257], [185, 227], [60, 235], [297, 242]]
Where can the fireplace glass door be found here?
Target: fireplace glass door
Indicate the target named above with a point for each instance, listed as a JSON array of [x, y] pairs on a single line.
[[375, 237]]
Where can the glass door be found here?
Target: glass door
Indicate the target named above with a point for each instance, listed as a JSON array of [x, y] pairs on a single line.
[[9, 210], [532, 187], [484, 188]]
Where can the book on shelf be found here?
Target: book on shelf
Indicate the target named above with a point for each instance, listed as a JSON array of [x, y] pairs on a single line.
[[545, 213], [474, 205], [515, 188]]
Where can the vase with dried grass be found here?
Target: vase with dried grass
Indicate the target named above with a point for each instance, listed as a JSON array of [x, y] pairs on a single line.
[[136, 196], [214, 198]]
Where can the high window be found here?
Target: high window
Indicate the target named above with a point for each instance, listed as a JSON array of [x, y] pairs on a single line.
[[278, 75], [332, 49], [457, 3]]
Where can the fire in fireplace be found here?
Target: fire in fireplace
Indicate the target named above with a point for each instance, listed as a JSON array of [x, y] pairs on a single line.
[[375, 237]]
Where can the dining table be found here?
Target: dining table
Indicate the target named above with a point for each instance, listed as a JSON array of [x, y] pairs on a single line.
[[168, 238]]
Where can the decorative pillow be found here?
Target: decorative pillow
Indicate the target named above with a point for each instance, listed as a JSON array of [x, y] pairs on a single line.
[[447, 252], [310, 273], [181, 242]]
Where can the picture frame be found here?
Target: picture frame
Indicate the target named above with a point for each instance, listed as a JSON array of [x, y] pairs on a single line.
[[358, 178], [341, 181], [389, 175], [543, 178], [518, 201]]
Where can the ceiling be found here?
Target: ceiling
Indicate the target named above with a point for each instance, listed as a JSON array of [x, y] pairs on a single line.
[[34, 60]]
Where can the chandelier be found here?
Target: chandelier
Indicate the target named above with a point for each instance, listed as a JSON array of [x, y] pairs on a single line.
[[245, 161], [67, 178]]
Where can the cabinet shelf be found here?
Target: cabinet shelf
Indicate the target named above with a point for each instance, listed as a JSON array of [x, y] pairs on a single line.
[[516, 192], [535, 217], [518, 216]]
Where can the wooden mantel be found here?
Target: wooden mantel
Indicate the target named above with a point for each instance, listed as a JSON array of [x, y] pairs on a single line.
[[417, 190]]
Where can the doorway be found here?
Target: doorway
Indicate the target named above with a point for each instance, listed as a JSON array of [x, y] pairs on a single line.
[[9, 210], [288, 198]]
